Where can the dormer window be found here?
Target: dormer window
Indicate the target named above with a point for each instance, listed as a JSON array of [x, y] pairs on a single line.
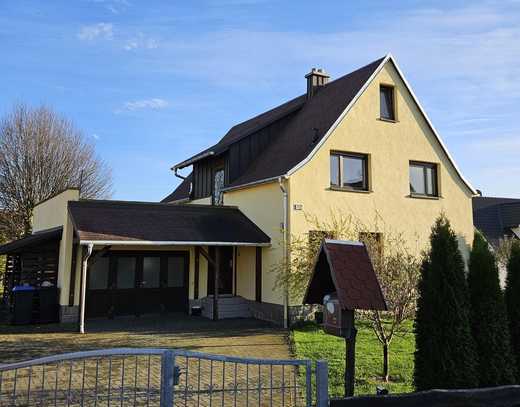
[[387, 102]]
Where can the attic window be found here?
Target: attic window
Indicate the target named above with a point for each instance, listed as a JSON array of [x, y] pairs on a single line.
[[387, 105]]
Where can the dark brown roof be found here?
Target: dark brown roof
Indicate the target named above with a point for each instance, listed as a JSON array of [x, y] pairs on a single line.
[[182, 192], [36, 238], [345, 268], [495, 217], [162, 222], [313, 119], [250, 126], [308, 126]]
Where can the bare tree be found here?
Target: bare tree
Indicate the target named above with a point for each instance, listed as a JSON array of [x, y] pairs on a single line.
[[396, 267], [41, 154]]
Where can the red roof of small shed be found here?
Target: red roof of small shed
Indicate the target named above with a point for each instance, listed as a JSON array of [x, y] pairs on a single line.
[[344, 267]]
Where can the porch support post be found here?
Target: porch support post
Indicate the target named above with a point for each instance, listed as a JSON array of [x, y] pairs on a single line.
[[72, 283], [215, 291], [87, 251], [197, 272]]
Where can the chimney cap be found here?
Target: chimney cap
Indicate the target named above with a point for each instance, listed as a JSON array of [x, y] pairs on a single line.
[[318, 72]]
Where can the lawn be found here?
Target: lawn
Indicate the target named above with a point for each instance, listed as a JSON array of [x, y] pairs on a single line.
[[311, 342]]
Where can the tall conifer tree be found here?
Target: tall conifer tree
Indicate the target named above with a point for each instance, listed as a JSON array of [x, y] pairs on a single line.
[[488, 318], [445, 352], [513, 302]]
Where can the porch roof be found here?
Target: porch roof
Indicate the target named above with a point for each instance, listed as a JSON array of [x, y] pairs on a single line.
[[31, 240], [147, 223]]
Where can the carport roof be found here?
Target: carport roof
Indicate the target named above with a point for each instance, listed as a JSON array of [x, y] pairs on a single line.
[[36, 238], [124, 222]]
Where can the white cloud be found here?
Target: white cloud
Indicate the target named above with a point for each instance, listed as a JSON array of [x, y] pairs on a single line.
[[144, 104], [141, 41], [114, 6], [95, 31], [95, 136]]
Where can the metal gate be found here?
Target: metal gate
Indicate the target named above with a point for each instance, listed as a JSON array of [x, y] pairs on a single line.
[[160, 377]]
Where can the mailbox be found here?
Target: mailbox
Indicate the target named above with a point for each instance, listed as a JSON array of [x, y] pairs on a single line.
[[343, 280], [336, 321]]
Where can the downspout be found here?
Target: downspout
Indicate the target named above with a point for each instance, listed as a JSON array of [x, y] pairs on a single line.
[[285, 252], [176, 173], [89, 248]]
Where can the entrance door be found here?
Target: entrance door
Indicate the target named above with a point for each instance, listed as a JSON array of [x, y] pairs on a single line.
[[124, 291], [225, 285], [149, 286]]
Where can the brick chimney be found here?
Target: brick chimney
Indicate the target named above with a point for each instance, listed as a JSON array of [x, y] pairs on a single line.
[[315, 79]]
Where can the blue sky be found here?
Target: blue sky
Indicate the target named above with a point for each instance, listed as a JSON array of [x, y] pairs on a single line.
[[152, 82]]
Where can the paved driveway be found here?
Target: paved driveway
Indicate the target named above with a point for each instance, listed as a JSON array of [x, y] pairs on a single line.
[[134, 381], [238, 337]]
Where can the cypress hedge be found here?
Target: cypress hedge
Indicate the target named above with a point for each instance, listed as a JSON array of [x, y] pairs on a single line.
[[445, 355], [489, 324], [513, 302]]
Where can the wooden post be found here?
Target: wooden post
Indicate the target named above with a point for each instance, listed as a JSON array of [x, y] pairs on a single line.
[[72, 283], [215, 289], [350, 368], [197, 267]]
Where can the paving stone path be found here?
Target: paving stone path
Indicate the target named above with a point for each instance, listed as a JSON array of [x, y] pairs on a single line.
[[130, 378]]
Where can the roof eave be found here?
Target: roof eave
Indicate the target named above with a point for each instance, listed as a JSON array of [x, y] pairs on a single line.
[[252, 184], [192, 160], [168, 243]]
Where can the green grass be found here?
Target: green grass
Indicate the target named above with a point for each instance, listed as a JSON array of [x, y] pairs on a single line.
[[310, 342]]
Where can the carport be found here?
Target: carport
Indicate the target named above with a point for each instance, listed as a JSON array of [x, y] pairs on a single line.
[[136, 256]]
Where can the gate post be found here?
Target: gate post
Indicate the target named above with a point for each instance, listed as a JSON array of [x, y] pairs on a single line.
[[167, 373], [322, 383]]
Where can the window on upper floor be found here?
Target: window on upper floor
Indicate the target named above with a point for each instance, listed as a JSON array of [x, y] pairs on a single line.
[[387, 102], [218, 186], [349, 171], [423, 179]]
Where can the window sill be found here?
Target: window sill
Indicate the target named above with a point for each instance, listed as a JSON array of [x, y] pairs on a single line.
[[428, 197], [359, 191], [388, 120]]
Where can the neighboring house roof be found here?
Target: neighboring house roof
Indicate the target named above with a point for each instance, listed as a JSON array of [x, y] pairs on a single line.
[[115, 222], [345, 268], [314, 120], [36, 238], [496, 217]]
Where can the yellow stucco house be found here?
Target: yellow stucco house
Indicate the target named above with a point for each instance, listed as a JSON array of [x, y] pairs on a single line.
[[358, 144]]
